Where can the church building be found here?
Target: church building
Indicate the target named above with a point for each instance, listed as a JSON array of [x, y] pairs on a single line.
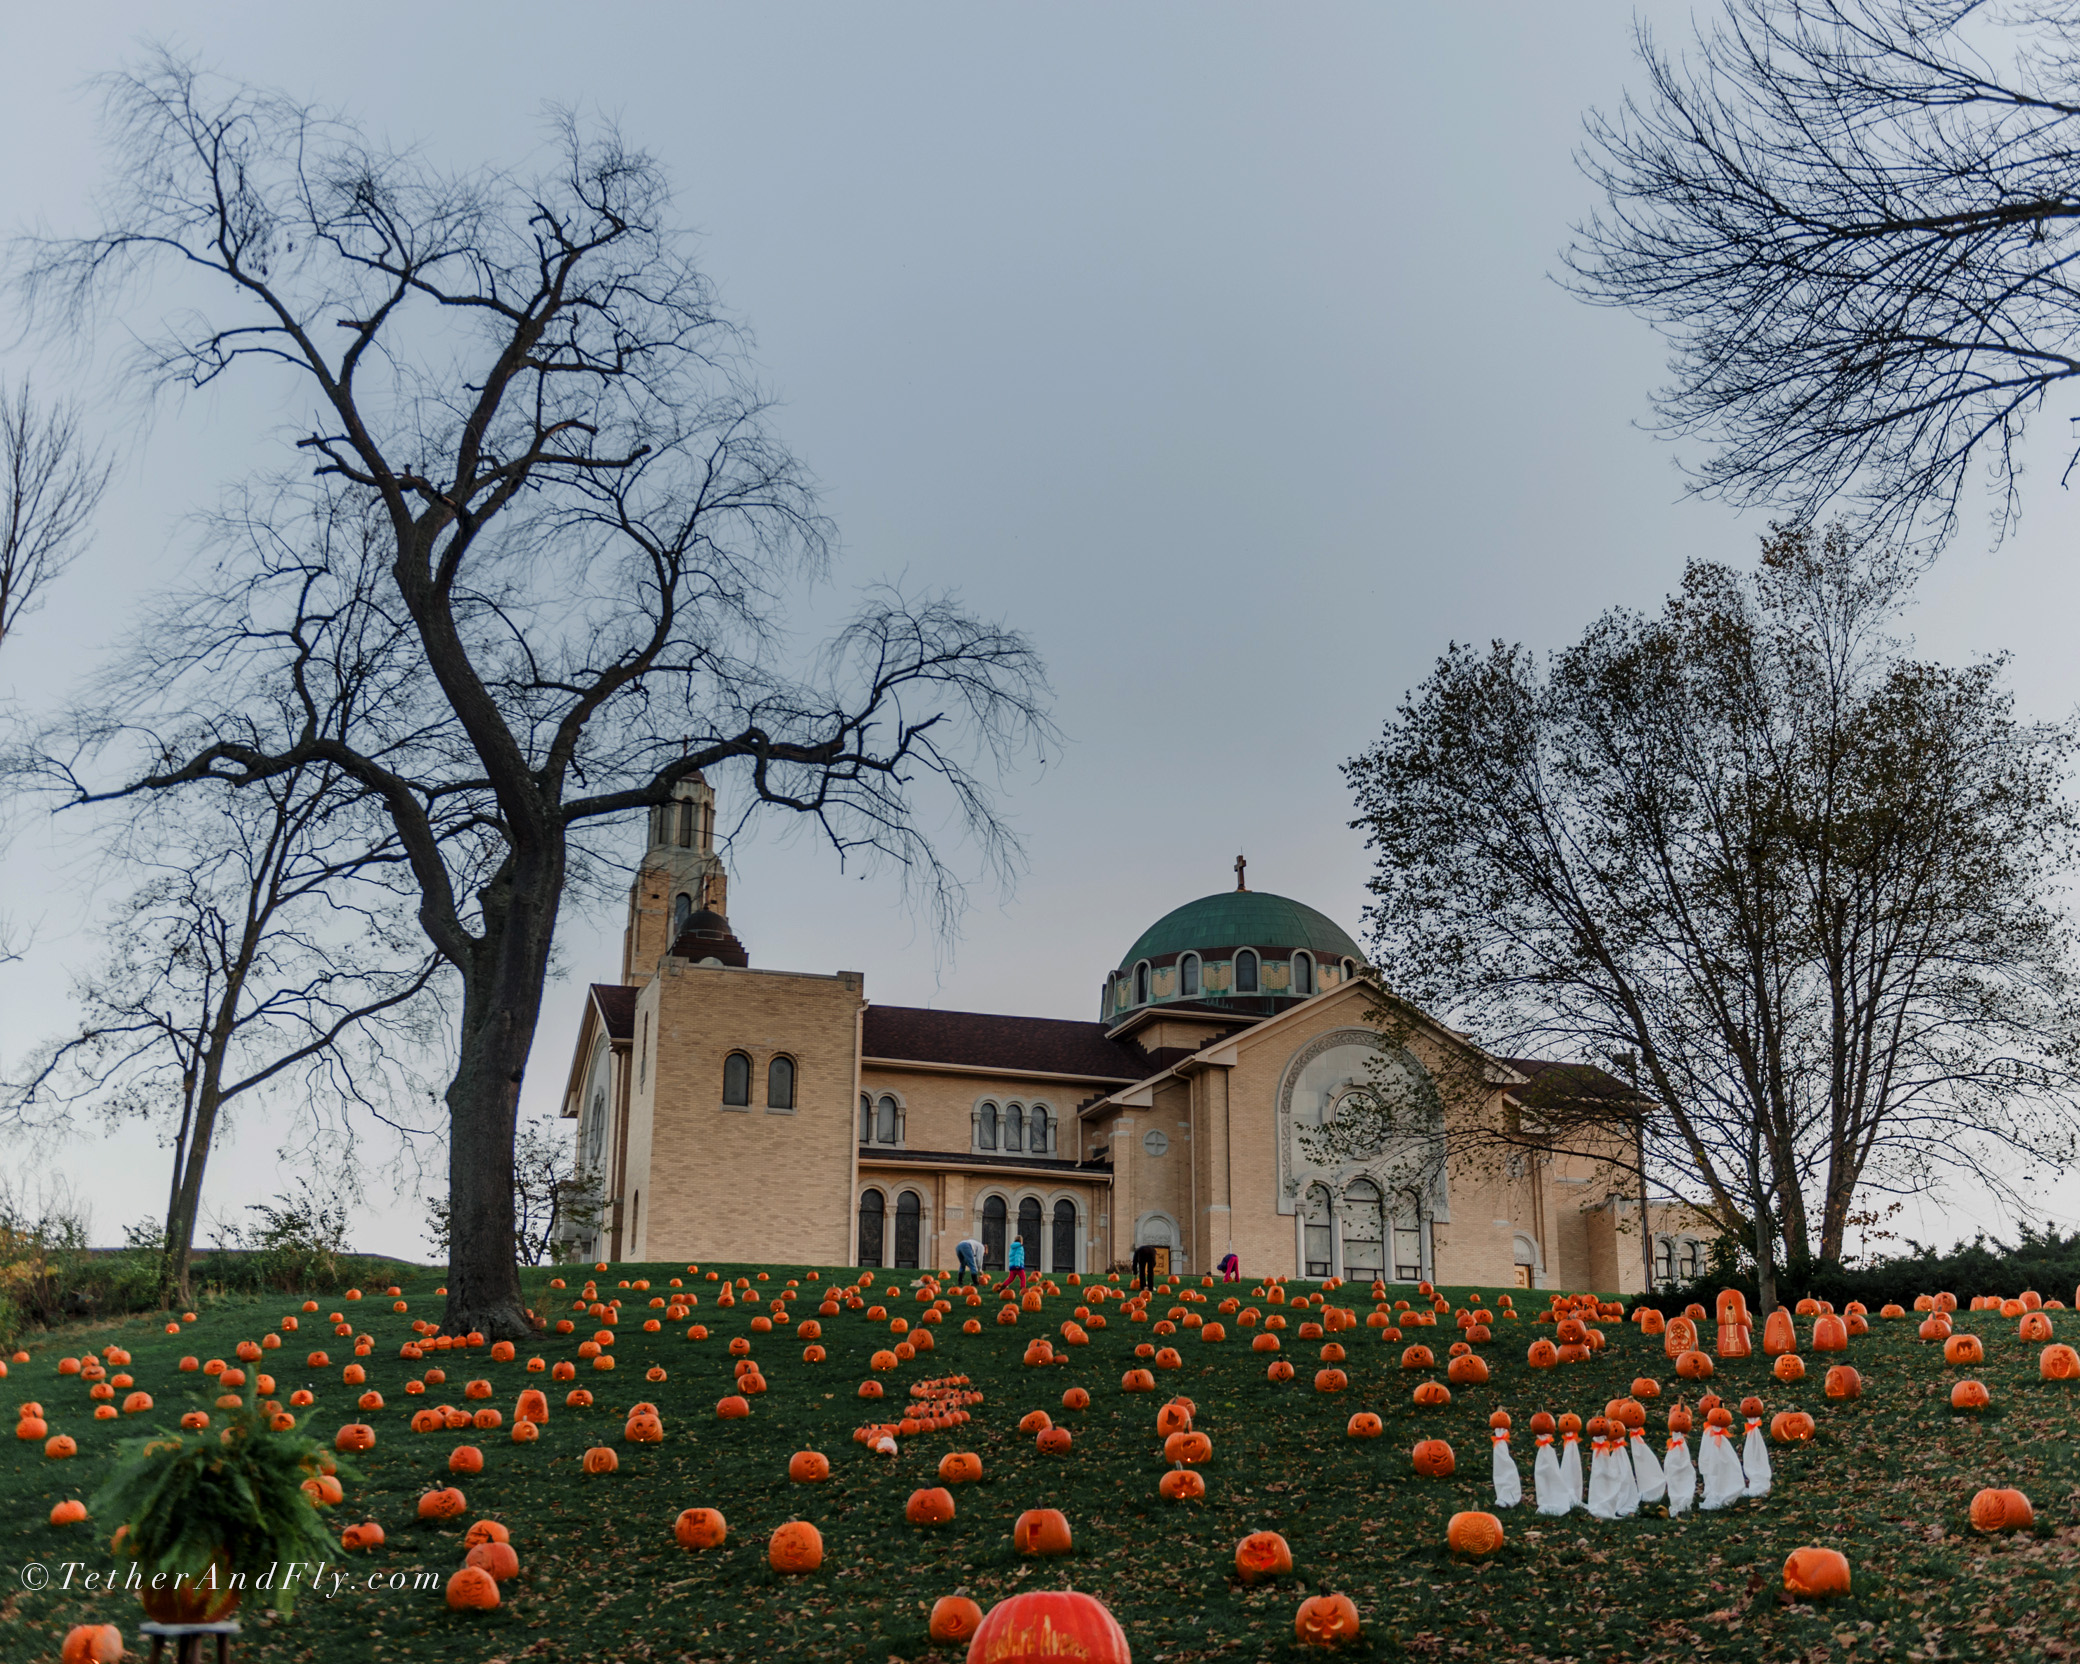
[[733, 1111]]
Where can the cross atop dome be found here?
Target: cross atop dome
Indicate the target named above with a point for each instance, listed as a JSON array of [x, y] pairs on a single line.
[[1241, 866]]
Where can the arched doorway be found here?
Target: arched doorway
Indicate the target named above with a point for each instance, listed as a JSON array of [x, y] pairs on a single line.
[[1317, 1237], [1063, 1248], [873, 1216], [993, 1234], [1364, 1238], [1029, 1231], [909, 1217]]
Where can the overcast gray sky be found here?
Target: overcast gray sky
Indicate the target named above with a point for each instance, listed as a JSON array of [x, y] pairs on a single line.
[[1214, 345]]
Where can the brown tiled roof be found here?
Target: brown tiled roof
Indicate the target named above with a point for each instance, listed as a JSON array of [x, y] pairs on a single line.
[[980, 1040], [617, 1008], [1552, 1082]]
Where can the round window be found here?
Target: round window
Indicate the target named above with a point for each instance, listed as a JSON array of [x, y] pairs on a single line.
[[1155, 1141]]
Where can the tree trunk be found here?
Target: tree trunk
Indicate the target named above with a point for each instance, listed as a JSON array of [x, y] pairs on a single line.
[[1765, 1273], [180, 1224], [502, 992]]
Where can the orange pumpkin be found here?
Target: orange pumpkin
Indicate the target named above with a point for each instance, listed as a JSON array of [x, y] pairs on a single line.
[[1262, 1554], [1188, 1448], [700, 1528], [1844, 1382], [1041, 1531], [1326, 1621], [958, 1467], [1791, 1427], [472, 1589], [954, 1618], [1051, 1624], [1789, 1367], [369, 1535], [933, 1506], [1963, 1349], [1137, 1380], [465, 1458], [601, 1459], [442, 1504], [808, 1467], [1778, 1335], [2036, 1326], [2002, 1511], [91, 1644], [1364, 1425], [1473, 1533], [1434, 1459], [1074, 1399], [1694, 1366], [735, 1408], [497, 1558], [2059, 1363], [1830, 1334], [1542, 1355], [68, 1513], [795, 1547], [1970, 1395], [486, 1531], [1182, 1484], [1814, 1572], [1470, 1370]]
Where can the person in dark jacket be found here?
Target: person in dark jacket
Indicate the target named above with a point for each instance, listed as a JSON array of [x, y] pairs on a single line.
[[1144, 1267]]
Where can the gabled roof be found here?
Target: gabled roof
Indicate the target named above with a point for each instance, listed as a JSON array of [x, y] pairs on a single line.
[[982, 1040], [1550, 1082], [617, 1009]]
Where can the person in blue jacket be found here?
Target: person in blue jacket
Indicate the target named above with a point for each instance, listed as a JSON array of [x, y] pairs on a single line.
[[1015, 1262]]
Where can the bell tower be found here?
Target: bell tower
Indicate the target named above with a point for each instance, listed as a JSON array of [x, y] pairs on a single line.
[[680, 875]]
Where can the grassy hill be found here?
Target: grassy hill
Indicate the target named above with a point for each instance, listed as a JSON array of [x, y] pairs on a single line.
[[1888, 1480]]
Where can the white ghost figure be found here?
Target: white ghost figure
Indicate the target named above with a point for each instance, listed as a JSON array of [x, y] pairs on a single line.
[[1548, 1484], [1509, 1488], [1755, 1460], [1571, 1466], [1680, 1476], [1646, 1471], [1720, 1468]]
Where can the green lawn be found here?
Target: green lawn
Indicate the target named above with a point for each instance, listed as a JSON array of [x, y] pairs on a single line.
[[1887, 1480]]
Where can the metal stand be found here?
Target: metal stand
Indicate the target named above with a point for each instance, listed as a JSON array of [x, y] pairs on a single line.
[[187, 1640]]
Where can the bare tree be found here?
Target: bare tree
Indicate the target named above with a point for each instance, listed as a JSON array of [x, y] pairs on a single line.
[[583, 548], [1810, 883], [54, 480], [272, 954], [1854, 221]]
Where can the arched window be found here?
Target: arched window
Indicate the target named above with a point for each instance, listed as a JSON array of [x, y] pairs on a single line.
[[1141, 983], [1246, 971], [1364, 1241], [993, 1234], [1315, 1231], [909, 1212], [682, 910], [1188, 976], [1062, 1251], [1039, 1130], [1014, 1127], [1688, 1264], [780, 1083], [986, 1127], [736, 1081], [866, 1119], [885, 1119], [1350, 969], [873, 1213], [1303, 973], [1029, 1230], [1408, 1239], [1664, 1260]]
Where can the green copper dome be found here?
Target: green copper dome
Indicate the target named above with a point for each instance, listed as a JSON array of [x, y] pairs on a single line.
[[1242, 918]]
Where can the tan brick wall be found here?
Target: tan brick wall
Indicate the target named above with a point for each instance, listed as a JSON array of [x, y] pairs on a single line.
[[939, 1105], [746, 1184]]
